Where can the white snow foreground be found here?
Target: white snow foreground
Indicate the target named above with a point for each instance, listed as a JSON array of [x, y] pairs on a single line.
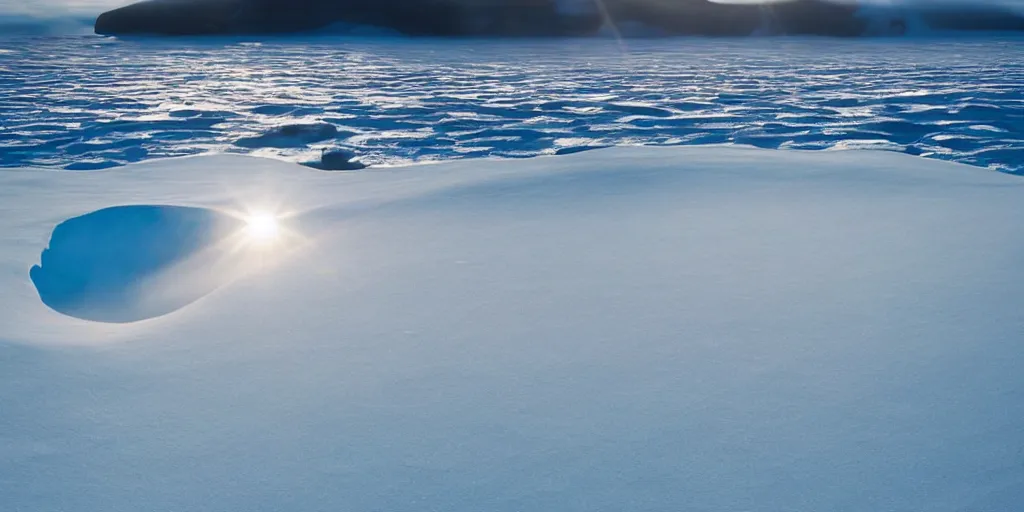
[[647, 329]]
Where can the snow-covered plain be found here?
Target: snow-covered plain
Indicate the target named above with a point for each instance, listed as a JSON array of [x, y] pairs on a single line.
[[684, 329]]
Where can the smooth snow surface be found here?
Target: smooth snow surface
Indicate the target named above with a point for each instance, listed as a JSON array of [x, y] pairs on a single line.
[[692, 329]]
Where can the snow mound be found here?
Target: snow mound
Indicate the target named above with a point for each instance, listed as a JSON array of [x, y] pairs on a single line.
[[291, 136], [337, 160], [713, 329]]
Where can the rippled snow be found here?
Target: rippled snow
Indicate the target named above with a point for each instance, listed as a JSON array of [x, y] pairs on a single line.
[[89, 102]]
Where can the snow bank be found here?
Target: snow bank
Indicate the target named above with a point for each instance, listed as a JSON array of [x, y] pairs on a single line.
[[713, 329]]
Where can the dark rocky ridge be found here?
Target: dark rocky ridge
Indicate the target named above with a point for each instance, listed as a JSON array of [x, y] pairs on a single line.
[[542, 18], [411, 17], [501, 18]]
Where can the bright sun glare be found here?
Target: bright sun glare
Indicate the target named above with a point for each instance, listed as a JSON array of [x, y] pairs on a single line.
[[262, 227]]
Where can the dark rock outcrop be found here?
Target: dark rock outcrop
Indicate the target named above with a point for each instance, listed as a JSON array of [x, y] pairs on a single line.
[[411, 17], [502, 18], [544, 18], [290, 136], [337, 160], [706, 18], [976, 17]]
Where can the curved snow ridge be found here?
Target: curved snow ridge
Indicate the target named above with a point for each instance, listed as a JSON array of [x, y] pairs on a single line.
[[124, 264]]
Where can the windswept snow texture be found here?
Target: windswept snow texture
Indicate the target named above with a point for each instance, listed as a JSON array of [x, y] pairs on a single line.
[[692, 329], [89, 103]]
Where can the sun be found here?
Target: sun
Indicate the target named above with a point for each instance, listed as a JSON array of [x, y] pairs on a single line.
[[262, 227]]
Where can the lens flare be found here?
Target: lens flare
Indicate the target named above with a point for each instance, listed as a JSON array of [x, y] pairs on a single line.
[[262, 227]]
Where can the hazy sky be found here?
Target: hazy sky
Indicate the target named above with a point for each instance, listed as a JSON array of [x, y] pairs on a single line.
[[58, 7]]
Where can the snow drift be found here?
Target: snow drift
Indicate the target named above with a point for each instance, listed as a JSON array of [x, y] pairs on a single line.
[[713, 329]]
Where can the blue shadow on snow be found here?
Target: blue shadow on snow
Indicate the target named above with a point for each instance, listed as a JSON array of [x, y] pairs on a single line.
[[123, 264]]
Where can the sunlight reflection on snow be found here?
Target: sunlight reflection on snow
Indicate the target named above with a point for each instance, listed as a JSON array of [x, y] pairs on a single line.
[[262, 227]]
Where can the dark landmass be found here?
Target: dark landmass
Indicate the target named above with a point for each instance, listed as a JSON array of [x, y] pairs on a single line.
[[410, 17], [541, 18]]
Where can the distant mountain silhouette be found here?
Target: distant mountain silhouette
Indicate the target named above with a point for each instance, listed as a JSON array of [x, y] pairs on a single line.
[[544, 18]]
